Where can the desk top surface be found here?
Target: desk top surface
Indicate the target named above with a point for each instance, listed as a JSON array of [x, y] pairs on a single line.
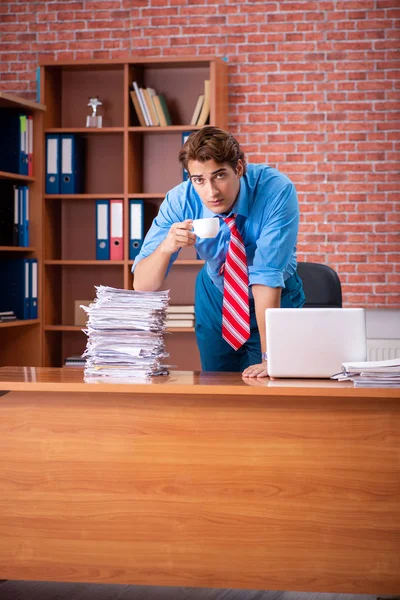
[[43, 379]]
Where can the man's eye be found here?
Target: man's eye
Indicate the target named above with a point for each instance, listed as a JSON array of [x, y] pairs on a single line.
[[220, 175], [197, 180]]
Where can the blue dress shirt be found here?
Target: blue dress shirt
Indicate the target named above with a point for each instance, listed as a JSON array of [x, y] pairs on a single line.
[[267, 217]]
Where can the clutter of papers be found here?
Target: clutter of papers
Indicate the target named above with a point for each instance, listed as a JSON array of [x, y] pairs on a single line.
[[125, 331], [381, 373]]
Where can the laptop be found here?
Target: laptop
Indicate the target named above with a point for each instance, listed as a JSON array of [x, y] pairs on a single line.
[[314, 342]]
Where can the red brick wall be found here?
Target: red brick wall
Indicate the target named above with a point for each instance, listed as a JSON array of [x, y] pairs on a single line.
[[313, 90]]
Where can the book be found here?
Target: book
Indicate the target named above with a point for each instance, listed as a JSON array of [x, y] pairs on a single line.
[[137, 107], [197, 110], [205, 111], [171, 317], [141, 102], [162, 110], [145, 108], [177, 308], [151, 92], [180, 323], [150, 107], [74, 361], [7, 315]]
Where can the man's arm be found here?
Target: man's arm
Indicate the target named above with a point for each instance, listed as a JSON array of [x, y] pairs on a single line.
[[150, 272], [264, 297]]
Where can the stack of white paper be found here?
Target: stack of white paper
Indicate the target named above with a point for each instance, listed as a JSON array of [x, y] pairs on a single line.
[[381, 373], [125, 335]]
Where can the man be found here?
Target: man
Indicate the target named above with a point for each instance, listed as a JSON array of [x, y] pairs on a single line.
[[250, 265]]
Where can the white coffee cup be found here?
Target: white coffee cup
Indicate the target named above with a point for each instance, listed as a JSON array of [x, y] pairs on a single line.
[[206, 228]]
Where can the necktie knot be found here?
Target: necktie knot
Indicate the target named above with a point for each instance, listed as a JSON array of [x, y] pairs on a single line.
[[230, 221]]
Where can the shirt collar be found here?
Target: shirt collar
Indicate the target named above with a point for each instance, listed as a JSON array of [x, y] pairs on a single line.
[[241, 206]]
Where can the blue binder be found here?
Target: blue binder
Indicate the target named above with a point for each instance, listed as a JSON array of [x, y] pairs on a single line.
[[185, 135], [23, 155], [136, 227], [15, 294], [11, 147], [17, 225], [102, 230], [24, 216], [53, 163], [71, 181], [33, 288]]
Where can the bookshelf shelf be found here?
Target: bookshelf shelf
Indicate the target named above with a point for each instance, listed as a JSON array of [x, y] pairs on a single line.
[[81, 196], [16, 249], [16, 176], [123, 160], [77, 328], [20, 323], [88, 130], [168, 129], [12, 101], [148, 196]]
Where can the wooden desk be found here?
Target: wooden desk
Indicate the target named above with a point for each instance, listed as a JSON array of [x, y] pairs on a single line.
[[200, 480]]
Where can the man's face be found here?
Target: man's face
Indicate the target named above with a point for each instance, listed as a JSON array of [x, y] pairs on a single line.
[[217, 184]]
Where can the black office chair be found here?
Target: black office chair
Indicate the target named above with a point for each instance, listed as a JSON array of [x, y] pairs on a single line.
[[321, 284]]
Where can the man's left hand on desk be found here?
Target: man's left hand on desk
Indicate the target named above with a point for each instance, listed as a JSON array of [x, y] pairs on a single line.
[[260, 370]]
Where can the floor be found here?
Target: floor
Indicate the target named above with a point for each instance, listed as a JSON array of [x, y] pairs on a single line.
[[37, 590]]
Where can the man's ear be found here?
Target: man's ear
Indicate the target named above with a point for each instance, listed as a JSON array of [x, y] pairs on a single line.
[[239, 168]]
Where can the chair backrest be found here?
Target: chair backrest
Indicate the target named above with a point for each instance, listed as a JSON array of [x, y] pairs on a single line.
[[321, 284]]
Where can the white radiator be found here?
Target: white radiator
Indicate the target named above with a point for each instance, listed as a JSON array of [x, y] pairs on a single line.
[[383, 349]]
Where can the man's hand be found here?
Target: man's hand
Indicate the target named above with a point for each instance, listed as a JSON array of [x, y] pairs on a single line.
[[260, 370], [179, 236]]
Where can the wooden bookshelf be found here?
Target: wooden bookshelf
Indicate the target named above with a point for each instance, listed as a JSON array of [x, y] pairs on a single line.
[[19, 323], [16, 176], [122, 160], [26, 249], [21, 340]]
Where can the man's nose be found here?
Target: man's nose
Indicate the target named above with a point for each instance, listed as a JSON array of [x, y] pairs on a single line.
[[212, 189]]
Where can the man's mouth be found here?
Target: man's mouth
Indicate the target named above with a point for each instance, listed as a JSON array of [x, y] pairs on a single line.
[[216, 202]]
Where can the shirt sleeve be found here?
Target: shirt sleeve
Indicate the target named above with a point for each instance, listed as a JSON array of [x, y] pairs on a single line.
[[277, 240], [170, 212]]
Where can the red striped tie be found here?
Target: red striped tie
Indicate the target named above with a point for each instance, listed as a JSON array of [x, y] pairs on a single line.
[[235, 307]]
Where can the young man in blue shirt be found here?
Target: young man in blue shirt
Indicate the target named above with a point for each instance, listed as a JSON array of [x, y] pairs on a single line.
[[265, 205]]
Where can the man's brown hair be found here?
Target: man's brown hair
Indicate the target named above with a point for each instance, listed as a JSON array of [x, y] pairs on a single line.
[[212, 143]]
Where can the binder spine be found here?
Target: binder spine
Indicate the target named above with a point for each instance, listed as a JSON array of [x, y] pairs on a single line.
[[52, 163], [102, 230], [116, 229], [16, 217], [25, 216], [136, 227], [33, 290], [71, 180]]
